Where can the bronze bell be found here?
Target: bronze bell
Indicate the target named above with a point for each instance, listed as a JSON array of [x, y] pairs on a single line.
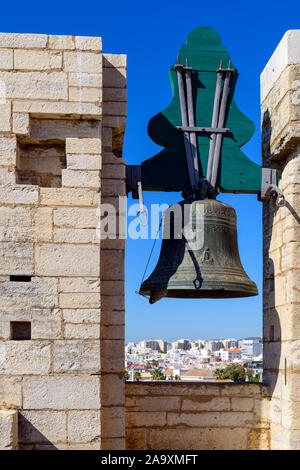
[[199, 255]]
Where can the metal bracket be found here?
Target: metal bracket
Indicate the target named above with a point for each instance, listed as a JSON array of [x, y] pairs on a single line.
[[212, 130], [133, 177], [269, 186]]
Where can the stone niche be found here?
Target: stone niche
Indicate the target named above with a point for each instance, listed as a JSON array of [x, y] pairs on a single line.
[[41, 155]]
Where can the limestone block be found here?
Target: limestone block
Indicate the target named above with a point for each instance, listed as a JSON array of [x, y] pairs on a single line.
[[111, 266], [117, 287], [72, 356], [8, 150], [81, 178], [84, 162], [112, 390], [114, 78], [21, 123], [107, 142], [205, 403], [195, 439], [114, 94], [114, 108], [16, 258], [84, 426], [6, 59], [110, 187], [112, 355], [11, 390], [61, 42], [35, 85], [253, 390], [112, 427], [72, 110], [76, 217], [37, 60], [77, 61], [40, 292], [7, 176], [24, 41], [114, 121], [80, 284], [69, 197], [112, 317], [15, 217], [114, 302], [112, 332], [42, 426], [290, 256], [83, 146], [86, 94], [19, 194], [43, 224], [8, 430], [147, 419], [93, 80], [35, 358], [113, 172], [88, 315], [219, 419], [259, 439], [5, 115], [88, 43], [90, 446], [76, 236], [62, 392], [242, 404], [84, 331], [79, 300], [114, 60], [113, 444], [157, 404], [67, 260]]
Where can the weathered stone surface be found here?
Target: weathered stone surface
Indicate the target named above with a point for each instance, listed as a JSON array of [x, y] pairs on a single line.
[[42, 426], [67, 260], [84, 162], [61, 42], [76, 235], [88, 43], [8, 150], [86, 94], [69, 197], [73, 356], [37, 60], [81, 179], [18, 194], [83, 331], [35, 85], [47, 108], [76, 218], [5, 117], [84, 426], [21, 123], [78, 61], [83, 146], [81, 315], [11, 390], [93, 80], [24, 41], [80, 284], [40, 292], [79, 300], [8, 430], [16, 258], [6, 59], [35, 358], [62, 392]]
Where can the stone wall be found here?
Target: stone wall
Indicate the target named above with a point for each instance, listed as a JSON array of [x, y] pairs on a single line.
[[190, 416], [280, 85], [62, 109]]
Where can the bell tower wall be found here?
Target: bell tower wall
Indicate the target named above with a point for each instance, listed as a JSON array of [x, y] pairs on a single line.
[[280, 112], [62, 121]]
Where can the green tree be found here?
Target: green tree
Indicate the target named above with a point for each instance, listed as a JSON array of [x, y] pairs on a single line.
[[234, 372], [137, 376], [158, 375], [154, 363], [126, 374]]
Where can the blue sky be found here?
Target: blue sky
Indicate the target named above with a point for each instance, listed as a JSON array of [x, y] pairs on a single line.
[[151, 34]]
